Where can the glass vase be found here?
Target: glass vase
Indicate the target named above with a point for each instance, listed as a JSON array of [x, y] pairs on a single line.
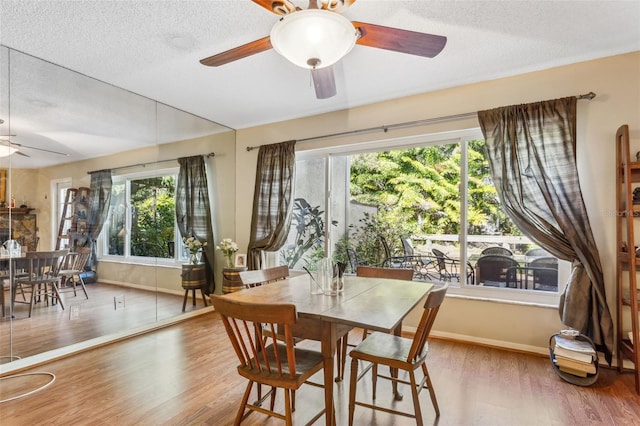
[[230, 261], [194, 258]]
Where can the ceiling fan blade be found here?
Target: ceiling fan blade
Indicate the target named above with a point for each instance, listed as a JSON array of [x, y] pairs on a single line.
[[239, 52], [279, 7], [324, 82], [338, 6], [22, 153], [7, 142], [403, 41]]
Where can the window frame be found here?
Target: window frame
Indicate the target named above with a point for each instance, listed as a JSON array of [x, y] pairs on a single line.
[[490, 294], [102, 242]]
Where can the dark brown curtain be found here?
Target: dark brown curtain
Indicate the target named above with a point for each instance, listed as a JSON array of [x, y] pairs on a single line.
[[272, 200], [531, 151], [193, 214], [99, 200]]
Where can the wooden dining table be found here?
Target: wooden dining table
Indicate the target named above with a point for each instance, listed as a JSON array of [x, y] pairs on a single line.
[[376, 304]]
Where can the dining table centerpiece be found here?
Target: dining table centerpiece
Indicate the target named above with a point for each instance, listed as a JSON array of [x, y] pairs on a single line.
[[228, 248], [195, 248]]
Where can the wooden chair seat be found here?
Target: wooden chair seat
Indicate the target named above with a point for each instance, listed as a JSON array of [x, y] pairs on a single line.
[[398, 353]]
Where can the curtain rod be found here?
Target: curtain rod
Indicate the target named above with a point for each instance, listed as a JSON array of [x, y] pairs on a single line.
[[385, 129], [211, 154]]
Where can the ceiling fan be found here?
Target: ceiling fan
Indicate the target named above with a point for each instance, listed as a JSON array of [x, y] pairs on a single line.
[[7, 147], [316, 38]]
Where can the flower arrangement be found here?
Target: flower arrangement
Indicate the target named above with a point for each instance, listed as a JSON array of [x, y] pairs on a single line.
[[228, 247], [194, 246]]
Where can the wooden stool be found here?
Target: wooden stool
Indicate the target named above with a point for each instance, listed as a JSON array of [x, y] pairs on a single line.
[[194, 278]]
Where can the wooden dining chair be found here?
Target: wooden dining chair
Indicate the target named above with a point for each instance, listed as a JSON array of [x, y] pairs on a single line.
[[265, 359], [371, 272], [41, 278], [72, 270], [263, 276], [398, 353]]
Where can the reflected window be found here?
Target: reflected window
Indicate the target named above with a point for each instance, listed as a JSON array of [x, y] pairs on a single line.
[[141, 220]]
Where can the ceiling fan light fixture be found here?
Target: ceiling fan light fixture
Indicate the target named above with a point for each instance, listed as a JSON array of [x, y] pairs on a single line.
[[313, 38], [6, 151]]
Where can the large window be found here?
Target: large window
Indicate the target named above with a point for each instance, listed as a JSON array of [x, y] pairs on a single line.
[[430, 205], [141, 221]]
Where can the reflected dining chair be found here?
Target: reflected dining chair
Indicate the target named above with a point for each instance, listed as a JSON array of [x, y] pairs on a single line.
[[371, 272], [41, 277], [72, 270], [398, 353], [265, 359]]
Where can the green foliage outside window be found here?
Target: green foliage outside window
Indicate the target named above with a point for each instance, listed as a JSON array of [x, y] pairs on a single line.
[[153, 216]]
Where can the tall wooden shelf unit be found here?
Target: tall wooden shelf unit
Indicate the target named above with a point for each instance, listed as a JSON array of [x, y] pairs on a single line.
[[73, 230], [628, 264]]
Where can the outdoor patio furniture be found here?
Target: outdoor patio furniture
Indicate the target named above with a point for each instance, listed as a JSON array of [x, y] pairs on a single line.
[[537, 252], [497, 250], [545, 273], [450, 269], [491, 269]]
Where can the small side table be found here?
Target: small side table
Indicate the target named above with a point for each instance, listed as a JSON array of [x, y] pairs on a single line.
[[194, 278], [231, 279]]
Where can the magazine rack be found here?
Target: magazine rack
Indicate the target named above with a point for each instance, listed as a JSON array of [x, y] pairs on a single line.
[[576, 380]]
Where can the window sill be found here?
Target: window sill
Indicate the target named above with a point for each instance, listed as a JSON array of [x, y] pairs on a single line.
[[506, 296]]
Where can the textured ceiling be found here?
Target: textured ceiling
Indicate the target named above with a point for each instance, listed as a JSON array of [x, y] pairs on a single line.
[[153, 47]]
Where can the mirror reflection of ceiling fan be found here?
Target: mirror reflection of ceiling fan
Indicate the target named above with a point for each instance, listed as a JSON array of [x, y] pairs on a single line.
[[7, 147], [316, 38]]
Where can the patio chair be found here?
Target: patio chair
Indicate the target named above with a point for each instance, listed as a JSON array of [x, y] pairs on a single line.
[[497, 250], [450, 269], [545, 273], [537, 252], [491, 269], [398, 352], [265, 360]]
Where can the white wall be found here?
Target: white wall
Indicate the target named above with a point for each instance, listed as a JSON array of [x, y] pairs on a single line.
[[615, 80]]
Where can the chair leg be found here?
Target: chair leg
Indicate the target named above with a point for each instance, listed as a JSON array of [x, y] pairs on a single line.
[[33, 299], [352, 389], [243, 404], [54, 290], [287, 407], [414, 394], [432, 391], [374, 380], [81, 285]]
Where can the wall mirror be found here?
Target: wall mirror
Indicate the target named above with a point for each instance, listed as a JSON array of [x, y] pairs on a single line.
[[65, 125]]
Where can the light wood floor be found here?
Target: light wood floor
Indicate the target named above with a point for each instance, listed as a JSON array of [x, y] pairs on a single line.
[[185, 375], [50, 327]]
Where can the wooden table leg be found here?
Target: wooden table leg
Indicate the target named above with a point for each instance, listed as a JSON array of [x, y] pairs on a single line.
[[328, 345]]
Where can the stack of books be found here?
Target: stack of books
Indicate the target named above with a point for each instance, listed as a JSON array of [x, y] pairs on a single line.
[[576, 357]]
